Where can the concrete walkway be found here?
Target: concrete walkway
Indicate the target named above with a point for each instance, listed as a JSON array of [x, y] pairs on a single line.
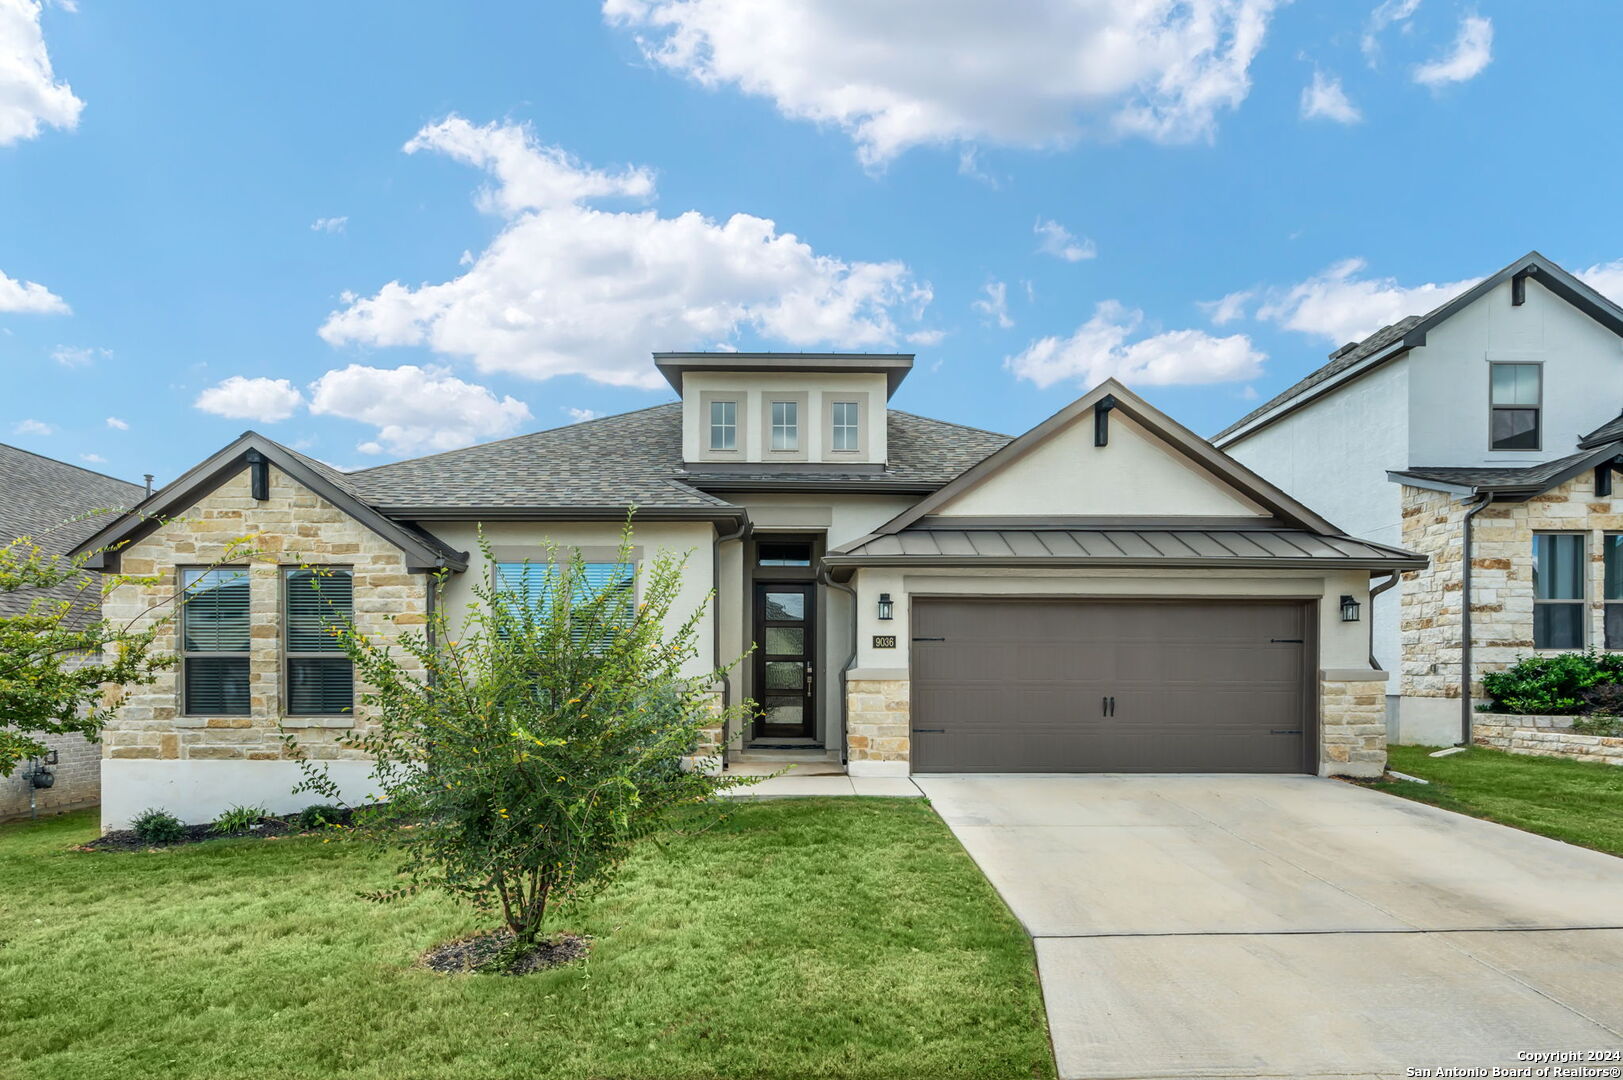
[[791, 785], [1273, 926]]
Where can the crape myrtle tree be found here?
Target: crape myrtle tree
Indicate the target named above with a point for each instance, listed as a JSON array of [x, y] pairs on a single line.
[[523, 744], [58, 655]]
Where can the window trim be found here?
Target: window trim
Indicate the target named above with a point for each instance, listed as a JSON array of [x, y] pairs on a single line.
[[729, 425], [1581, 601], [590, 556], [1537, 409], [1609, 602], [186, 655], [802, 430], [741, 427], [863, 400], [285, 654]]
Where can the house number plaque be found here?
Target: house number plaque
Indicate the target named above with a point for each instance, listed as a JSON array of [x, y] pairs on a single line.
[[884, 641]]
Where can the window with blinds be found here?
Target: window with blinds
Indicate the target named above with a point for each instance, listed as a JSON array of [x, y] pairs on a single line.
[[215, 624], [534, 582], [319, 604]]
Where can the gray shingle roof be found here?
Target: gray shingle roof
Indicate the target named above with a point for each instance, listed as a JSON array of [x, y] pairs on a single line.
[[1532, 478], [1120, 547], [1611, 431], [41, 498], [1340, 360], [635, 458]]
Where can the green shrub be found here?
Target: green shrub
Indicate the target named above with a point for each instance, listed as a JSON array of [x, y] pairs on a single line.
[[158, 826], [319, 816], [238, 819], [1565, 684]]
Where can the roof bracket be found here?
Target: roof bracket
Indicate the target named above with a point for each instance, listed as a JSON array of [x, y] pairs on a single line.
[[1518, 288], [258, 475], [1603, 477], [1101, 420]]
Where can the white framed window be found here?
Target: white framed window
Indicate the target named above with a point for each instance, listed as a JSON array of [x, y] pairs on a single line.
[[215, 625], [1558, 590], [319, 603], [531, 584], [724, 425], [1516, 397], [786, 425], [845, 426]]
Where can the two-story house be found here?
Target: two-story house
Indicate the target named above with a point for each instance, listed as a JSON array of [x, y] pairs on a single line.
[[1103, 593], [1486, 435]]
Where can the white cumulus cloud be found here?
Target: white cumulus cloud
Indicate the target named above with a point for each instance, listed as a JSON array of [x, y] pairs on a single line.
[[33, 427], [580, 416], [567, 288], [329, 224], [1056, 240], [1471, 52], [1229, 308], [117, 425], [1324, 98], [905, 73], [994, 306], [93, 459], [242, 398], [1605, 278], [1385, 14], [30, 94], [72, 356], [415, 409], [1099, 349], [1340, 305], [28, 297]]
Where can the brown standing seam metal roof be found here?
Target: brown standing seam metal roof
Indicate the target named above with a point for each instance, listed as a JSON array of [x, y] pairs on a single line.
[[1106, 546]]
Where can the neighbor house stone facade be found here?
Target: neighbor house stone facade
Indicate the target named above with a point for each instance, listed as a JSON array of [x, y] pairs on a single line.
[[77, 773], [292, 527], [1545, 736], [1501, 579]]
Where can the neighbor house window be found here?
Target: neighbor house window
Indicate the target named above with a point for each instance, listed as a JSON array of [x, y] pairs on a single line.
[[1613, 591], [319, 606], [724, 425], [786, 425], [531, 583], [1515, 395], [214, 636], [847, 436], [1558, 591]]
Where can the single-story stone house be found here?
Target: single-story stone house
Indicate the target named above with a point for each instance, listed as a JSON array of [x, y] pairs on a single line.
[[1106, 592], [54, 504]]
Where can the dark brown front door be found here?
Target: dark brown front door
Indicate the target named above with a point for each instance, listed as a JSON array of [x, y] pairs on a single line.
[[784, 648], [1111, 686]]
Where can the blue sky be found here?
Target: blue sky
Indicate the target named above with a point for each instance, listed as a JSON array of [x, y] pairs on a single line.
[[373, 230]]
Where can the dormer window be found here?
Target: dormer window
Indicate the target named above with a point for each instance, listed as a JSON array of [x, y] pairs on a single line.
[[724, 425], [786, 425], [1516, 400], [845, 426]]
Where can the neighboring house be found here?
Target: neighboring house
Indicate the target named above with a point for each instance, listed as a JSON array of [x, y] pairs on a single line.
[[54, 504], [1104, 593], [1489, 425]]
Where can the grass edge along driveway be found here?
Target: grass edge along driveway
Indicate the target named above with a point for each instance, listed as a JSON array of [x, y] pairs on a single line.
[[1579, 802], [799, 938]]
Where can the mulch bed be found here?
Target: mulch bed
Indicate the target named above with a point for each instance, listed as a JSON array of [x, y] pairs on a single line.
[[126, 840], [489, 953]]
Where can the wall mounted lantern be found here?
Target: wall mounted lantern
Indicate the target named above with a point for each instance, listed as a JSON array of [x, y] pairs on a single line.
[[1349, 609], [886, 608]]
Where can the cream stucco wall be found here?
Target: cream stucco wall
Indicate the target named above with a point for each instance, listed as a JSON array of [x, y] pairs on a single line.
[[758, 387], [1136, 474]]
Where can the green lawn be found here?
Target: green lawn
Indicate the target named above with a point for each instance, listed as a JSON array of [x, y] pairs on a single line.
[[1579, 802], [801, 938]]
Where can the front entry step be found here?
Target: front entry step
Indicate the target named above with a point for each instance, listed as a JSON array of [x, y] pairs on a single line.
[[811, 762]]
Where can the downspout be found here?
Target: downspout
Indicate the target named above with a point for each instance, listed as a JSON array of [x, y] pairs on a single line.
[[1391, 580], [743, 530], [1465, 618], [850, 661]]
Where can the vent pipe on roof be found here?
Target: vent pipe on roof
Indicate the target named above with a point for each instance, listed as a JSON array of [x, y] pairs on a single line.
[[148, 478]]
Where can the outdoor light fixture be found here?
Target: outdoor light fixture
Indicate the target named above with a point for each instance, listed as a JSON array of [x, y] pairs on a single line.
[[1349, 609], [886, 608]]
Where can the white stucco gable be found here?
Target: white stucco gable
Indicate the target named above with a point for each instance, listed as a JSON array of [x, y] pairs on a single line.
[[1135, 474]]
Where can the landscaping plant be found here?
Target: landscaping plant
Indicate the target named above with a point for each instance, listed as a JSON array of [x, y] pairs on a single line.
[[525, 743], [1568, 683], [319, 816], [238, 819], [158, 826]]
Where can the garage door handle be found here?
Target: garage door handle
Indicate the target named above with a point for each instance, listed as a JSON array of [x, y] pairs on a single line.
[[1279, 731], [1107, 706], [929, 731]]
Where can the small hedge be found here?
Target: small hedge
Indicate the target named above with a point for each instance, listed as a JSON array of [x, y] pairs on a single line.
[[1571, 684]]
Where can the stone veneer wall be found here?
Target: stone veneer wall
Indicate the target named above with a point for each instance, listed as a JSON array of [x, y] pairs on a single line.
[[78, 780], [1545, 736], [1352, 727], [1501, 579], [877, 736], [294, 526]]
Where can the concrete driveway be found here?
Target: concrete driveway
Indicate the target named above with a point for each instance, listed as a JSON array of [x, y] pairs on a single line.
[[1278, 926]]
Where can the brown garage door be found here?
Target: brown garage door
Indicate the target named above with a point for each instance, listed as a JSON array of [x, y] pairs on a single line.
[[1069, 686]]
